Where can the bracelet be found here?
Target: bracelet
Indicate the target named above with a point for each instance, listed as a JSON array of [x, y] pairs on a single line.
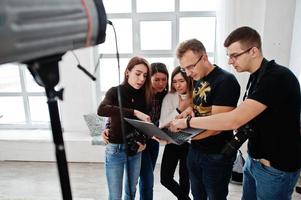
[[188, 121]]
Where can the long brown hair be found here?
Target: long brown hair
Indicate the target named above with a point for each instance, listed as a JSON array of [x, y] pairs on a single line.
[[147, 86], [188, 80]]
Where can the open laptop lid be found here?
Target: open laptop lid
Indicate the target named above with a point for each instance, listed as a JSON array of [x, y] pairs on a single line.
[[151, 130]]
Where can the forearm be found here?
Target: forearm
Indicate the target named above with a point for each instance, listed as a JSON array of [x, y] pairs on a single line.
[[217, 122], [110, 110]]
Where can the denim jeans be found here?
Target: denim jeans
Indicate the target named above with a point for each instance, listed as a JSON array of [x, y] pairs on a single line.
[[115, 165], [148, 163], [264, 183], [209, 174]]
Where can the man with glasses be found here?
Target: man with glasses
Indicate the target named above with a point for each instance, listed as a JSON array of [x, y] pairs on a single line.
[[272, 106], [215, 91]]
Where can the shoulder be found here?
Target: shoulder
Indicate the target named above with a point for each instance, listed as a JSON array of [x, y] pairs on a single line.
[[112, 90], [223, 74], [171, 95], [224, 77], [276, 72]]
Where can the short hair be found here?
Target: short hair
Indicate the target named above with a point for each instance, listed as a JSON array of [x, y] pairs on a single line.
[[246, 36], [194, 45]]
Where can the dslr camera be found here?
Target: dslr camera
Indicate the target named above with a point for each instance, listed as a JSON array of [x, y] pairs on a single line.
[[242, 134], [131, 139]]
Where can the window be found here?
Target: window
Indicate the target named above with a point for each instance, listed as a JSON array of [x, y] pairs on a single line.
[[148, 28], [152, 29], [22, 102]]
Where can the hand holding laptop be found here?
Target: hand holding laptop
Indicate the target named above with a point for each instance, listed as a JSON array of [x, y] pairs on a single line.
[[177, 124], [151, 130]]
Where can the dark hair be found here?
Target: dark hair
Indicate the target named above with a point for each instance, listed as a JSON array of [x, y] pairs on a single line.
[[188, 80], [161, 68], [246, 36], [194, 45], [147, 85]]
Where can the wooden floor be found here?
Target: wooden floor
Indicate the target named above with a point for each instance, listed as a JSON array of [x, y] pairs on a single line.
[[39, 180]]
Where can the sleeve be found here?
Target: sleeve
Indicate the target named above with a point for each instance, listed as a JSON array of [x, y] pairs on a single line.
[[227, 92], [168, 110], [273, 89], [109, 106]]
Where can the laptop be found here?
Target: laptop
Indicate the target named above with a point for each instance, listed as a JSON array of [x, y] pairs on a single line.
[[151, 130]]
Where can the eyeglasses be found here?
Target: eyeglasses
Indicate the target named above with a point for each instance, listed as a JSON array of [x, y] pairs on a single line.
[[190, 67], [234, 56]]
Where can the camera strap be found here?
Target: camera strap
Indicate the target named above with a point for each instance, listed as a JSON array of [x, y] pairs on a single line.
[[251, 80]]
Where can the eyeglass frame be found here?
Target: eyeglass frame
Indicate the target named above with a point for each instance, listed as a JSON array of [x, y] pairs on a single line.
[[190, 67], [234, 56]]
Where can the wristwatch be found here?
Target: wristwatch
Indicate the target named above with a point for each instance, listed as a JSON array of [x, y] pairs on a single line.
[[188, 121]]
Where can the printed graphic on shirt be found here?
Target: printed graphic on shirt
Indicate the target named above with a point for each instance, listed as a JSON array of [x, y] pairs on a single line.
[[200, 93]]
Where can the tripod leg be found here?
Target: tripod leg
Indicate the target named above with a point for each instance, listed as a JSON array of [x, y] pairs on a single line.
[[46, 73], [59, 149]]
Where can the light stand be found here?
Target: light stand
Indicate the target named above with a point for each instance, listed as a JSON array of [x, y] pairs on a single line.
[[46, 73]]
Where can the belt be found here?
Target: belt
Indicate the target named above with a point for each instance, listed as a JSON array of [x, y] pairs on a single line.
[[263, 161]]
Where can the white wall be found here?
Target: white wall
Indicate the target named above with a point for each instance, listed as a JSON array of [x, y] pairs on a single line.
[[278, 28], [273, 19], [79, 94], [295, 57]]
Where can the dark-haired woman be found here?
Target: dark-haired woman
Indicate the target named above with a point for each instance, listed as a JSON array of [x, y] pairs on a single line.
[[159, 80], [176, 101]]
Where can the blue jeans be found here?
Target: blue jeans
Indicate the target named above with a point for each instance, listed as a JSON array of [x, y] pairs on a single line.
[[264, 183], [209, 174], [115, 165], [148, 163]]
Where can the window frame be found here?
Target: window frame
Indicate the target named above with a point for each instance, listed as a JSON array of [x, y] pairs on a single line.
[[28, 124], [138, 17]]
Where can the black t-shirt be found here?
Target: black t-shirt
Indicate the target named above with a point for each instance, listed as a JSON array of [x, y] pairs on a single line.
[[218, 88], [277, 135]]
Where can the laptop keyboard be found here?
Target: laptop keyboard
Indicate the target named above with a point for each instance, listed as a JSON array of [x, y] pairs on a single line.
[[179, 137]]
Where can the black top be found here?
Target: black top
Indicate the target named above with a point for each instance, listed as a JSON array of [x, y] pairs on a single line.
[[156, 105], [132, 99], [277, 135], [219, 88]]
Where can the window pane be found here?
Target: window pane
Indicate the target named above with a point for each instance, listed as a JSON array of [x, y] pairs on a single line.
[[201, 28], [38, 109], [12, 110], [199, 5], [31, 85], [152, 39], [109, 72], [9, 78], [155, 5], [124, 37], [124, 6]]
